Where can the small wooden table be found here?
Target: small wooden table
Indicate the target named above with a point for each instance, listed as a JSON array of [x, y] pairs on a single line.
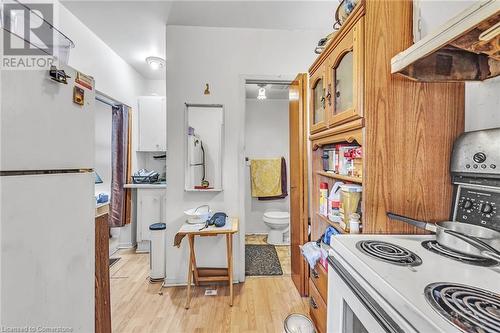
[[209, 274]]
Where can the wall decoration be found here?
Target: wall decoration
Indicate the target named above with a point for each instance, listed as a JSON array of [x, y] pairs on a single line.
[[84, 80], [78, 95]]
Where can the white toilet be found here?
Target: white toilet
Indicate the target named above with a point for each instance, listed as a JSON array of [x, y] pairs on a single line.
[[279, 223]]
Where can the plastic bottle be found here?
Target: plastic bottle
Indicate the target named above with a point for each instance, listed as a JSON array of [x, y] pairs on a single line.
[[334, 203], [354, 223], [323, 199]]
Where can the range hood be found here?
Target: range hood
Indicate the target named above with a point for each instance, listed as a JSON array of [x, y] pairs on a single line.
[[466, 48]]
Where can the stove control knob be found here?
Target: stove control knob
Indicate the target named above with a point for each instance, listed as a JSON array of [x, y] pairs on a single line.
[[479, 157], [467, 204], [486, 208]]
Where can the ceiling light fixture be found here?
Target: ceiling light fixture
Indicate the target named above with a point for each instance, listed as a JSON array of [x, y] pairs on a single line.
[[262, 92], [155, 63]]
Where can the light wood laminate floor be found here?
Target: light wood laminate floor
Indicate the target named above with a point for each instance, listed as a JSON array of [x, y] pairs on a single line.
[[260, 304]]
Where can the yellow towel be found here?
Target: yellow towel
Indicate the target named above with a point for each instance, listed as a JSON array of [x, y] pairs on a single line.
[[266, 177]]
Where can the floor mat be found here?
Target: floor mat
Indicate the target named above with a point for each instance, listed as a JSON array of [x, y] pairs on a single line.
[[113, 261], [262, 260]]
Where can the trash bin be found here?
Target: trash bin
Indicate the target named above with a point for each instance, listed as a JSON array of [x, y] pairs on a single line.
[[157, 253], [297, 322]]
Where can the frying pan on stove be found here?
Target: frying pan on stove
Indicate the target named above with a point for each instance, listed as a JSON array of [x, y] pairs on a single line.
[[465, 238]]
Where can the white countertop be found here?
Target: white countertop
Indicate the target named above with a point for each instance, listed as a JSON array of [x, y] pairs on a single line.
[[150, 186]]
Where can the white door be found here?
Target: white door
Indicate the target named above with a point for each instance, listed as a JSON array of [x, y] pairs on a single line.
[[40, 126], [47, 237], [152, 123], [149, 211]]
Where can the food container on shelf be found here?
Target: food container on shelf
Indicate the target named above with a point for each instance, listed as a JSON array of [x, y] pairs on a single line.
[[323, 199], [349, 199], [334, 203], [354, 223]]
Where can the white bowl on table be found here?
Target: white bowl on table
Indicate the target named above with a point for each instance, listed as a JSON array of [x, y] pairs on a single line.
[[198, 215]]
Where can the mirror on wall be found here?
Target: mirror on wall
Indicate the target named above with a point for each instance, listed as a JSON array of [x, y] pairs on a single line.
[[204, 137]]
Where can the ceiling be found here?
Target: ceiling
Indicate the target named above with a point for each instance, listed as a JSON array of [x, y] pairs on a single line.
[[136, 29], [273, 91]]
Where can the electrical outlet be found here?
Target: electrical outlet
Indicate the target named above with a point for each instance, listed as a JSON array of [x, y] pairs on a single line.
[[210, 292]]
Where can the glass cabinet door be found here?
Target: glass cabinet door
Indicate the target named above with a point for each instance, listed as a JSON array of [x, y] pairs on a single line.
[[343, 84], [318, 102]]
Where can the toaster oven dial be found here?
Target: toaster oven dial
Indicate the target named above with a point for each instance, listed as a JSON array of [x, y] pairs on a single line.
[[467, 204], [479, 157], [486, 208]]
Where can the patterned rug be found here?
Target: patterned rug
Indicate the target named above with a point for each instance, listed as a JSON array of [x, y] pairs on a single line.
[[262, 260]]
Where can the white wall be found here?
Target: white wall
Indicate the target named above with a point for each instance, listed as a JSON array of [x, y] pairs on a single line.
[[482, 104], [155, 87], [102, 146], [219, 56], [113, 76], [266, 136]]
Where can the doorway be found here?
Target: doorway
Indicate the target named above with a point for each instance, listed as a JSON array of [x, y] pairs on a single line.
[[275, 135]]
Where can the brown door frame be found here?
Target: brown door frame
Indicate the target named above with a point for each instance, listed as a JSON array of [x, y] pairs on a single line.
[[299, 208]]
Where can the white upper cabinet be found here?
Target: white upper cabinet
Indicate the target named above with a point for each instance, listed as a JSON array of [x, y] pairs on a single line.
[[152, 124]]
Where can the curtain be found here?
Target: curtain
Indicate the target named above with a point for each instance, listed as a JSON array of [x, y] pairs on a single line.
[[120, 157]]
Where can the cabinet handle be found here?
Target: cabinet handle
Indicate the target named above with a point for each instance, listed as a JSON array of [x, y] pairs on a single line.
[[313, 303], [323, 104], [329, 96], [315, 274]]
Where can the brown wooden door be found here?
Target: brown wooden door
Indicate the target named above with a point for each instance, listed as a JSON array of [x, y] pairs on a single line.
[[298, 180]]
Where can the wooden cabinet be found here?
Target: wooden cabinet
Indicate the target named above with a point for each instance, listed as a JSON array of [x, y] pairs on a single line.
[[317, 101], [318, 297], [336, 82], [151, 205], [406, 129], [345, 78], [102, 288], [317, 308], [152, 124]]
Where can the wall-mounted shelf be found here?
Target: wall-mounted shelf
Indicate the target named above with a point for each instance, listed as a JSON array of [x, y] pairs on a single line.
[[466, 48], [203, 190], [340, 177]]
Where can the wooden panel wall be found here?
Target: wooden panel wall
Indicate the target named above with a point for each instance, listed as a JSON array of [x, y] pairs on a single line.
[[102, 288], [410, 128]]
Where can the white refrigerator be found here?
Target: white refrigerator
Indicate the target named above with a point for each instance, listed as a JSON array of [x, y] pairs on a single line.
[[47, 202], [196, 163]]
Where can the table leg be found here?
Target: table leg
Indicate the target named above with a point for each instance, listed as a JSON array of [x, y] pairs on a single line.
[[229, 243], [194, 268], [190, 270]]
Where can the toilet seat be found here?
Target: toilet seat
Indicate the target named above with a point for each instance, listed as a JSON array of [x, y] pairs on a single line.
[[277, 215]]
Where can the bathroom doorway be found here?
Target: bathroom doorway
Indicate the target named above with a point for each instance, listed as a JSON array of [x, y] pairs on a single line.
[[274, 160]]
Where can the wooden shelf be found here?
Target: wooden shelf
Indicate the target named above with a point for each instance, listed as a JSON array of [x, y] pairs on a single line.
[[333, 224], [340, 177]]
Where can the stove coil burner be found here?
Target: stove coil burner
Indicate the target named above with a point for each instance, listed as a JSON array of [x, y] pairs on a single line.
[[435, 247], [471, 309], [388, 252]]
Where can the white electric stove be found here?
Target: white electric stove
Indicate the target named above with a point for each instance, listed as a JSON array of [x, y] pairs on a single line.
[[367, 294], [410, 283]]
